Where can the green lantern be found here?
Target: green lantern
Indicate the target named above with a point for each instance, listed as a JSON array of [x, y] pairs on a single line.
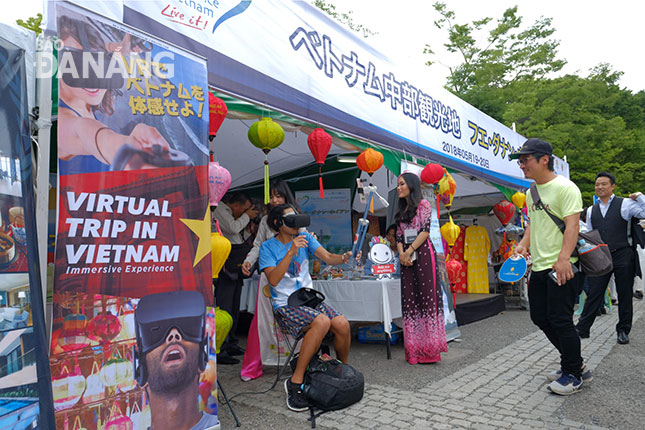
[[266, 135]]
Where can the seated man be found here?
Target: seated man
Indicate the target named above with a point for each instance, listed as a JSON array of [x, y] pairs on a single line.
[[284, 261]]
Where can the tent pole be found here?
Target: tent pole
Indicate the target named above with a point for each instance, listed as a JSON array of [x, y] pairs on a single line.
[[43, 101]]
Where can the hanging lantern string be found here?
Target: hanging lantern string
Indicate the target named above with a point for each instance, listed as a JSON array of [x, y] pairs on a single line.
[[320, 182], [267, 195]]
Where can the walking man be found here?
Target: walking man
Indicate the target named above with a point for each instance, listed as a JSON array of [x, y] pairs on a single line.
[[616, 219], [551, 302]]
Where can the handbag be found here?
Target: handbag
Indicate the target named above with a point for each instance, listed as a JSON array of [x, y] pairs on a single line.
[[305, 297], [593, 254]]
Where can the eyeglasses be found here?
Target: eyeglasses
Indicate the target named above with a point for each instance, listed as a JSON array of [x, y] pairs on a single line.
[[521, 161]]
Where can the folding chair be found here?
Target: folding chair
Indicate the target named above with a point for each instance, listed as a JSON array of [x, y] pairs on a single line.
[[291, 342]]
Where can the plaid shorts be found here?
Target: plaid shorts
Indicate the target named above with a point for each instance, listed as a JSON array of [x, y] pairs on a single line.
[[297, 318]]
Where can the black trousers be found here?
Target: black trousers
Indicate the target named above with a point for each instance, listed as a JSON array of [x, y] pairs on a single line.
[[551, 307], [227, 297], [624, 272]]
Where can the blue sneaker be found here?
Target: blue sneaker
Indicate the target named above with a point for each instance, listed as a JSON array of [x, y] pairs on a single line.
[[587, 376], [565, 385]]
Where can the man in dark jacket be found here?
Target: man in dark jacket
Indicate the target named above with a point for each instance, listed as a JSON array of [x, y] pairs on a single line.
[[616, 219]]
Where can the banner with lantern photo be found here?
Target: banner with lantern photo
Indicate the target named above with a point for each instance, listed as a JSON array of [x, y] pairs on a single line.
[[133, 227]]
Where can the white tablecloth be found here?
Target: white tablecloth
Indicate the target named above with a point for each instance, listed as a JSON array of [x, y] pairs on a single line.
[[359, 300], [365, 300]]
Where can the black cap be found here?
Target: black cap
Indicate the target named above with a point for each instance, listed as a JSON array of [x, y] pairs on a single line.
[[533, 146]]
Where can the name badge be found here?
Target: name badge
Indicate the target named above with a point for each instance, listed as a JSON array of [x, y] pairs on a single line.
[[409, 235]]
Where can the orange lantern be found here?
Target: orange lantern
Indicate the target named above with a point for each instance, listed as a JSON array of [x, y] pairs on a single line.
[[369, 161]]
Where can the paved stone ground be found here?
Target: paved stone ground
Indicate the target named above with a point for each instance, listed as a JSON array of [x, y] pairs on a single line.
[[503, 388]]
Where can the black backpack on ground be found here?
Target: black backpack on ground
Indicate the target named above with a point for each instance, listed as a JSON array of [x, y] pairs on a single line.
[[330, 385]]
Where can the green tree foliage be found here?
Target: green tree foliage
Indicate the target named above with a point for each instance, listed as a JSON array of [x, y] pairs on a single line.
[[591, 120], [508, 53], [344, 17], [584, 119], [32, 23]]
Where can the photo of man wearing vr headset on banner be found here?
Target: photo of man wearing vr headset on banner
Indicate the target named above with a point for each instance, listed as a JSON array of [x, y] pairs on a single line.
[[171, 353], [284, 261]]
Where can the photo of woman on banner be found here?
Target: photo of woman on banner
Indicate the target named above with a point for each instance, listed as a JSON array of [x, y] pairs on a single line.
[[89, 141]]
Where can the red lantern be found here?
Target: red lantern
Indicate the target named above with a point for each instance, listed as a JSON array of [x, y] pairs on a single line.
[[319, 144], [432, 173], [217, 111], [504, 211], [105, 326], [453, 267], [369, 161]]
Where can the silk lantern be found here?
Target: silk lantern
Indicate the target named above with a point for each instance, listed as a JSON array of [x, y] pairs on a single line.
[[67, 387], [118, 421], [105, 326], [432, 173], [453, 267], [266, 135], [223, 324], [450, 231], [519, 200], [217, 111], [73, 338], [369, 161], [219, 181], [504, 211], [447, 188], [220, 249], [319, 143]]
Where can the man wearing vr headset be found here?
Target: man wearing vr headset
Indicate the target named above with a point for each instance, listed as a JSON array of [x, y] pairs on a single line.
[[171, 352], [284, 261]]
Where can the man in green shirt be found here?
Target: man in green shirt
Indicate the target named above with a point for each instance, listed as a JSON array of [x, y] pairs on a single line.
[[551, 302]]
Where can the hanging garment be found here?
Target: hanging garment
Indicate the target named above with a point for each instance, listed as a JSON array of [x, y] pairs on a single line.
[[477, 246], [461, 286]]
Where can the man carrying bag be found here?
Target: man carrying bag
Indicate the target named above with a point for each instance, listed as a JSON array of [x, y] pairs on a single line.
[[552, 299], [616, 219]]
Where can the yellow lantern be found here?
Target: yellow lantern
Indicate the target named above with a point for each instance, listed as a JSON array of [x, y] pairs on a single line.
[[223, 324], [519, 200], [266, 135], [220, 249], [450, 231], [446, 190]]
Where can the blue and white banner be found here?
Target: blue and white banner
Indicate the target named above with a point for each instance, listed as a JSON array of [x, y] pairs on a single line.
[[292, 57]]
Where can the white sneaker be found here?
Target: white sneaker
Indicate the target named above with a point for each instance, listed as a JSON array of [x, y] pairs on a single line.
[[565, 385], [587, 376]]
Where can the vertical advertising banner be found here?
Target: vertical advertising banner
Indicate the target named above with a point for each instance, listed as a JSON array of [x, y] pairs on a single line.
[[132, 337], [24, 374]]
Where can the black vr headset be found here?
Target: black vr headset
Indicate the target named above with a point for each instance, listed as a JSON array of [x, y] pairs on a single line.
[[157, 314], [83, 64], [294, 220]]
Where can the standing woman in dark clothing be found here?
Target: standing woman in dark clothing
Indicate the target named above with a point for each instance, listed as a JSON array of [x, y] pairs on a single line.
[[424, 333]]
